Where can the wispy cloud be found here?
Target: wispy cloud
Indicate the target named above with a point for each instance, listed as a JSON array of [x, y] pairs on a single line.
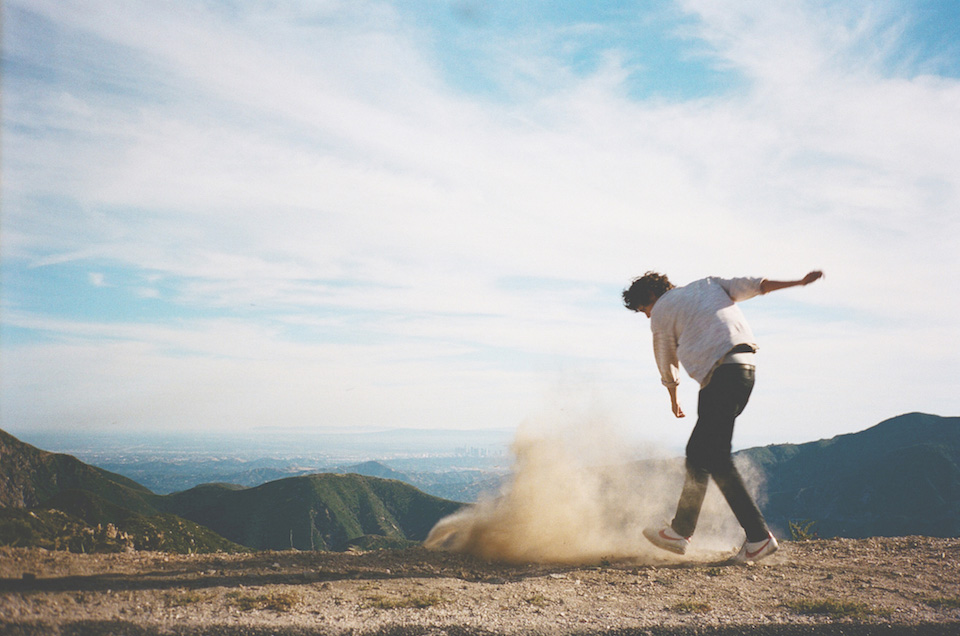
[[309, 182]]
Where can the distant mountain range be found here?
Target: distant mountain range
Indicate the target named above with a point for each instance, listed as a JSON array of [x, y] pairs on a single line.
[[456, 484], [444, 477], [900, 477], [57, 501]]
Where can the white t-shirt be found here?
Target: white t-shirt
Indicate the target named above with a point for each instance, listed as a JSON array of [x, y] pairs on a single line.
[[698, 324]]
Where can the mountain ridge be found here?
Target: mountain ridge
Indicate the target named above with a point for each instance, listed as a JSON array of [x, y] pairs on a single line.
[[901, 476], [284, 513], [30, 476], [320, 511]]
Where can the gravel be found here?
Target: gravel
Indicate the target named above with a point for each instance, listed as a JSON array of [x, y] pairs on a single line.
[[905, 585]]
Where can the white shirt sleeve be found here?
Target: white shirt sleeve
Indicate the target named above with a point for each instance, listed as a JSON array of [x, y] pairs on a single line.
[[740, 289], [665, 353]]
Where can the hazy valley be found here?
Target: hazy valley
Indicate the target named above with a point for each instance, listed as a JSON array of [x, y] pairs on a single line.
[[457, 465]]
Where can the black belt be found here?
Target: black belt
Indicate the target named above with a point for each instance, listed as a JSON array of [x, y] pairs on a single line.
[[742, 348]]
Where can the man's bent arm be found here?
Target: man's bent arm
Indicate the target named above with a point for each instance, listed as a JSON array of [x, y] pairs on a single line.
[[767, 286]]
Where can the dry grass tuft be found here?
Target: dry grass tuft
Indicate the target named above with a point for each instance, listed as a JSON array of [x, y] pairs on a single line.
[[276, 601], [690, 607], [537, 600], [415, 601], [187, 598]]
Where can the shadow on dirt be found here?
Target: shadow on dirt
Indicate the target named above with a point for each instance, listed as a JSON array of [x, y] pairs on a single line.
[[303, 568]]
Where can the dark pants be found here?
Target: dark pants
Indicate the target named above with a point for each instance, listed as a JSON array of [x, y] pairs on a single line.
[[708, 453]]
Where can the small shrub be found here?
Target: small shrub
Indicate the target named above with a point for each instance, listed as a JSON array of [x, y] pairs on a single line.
[[803, 530], [537, 600]]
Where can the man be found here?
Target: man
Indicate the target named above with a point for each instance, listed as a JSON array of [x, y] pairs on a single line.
[[700, 326]]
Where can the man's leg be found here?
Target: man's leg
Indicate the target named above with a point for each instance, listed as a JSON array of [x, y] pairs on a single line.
[[708, 452], [742, 504], [710, 436], [691, 500], [736, 382]]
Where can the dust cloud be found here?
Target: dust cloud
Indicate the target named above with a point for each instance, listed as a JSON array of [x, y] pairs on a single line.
[[581, 491]]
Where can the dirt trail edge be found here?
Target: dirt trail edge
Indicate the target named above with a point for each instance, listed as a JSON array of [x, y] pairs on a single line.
[[907, 585]]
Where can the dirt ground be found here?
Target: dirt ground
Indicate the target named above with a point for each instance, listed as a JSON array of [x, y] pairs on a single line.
[[874, 586]]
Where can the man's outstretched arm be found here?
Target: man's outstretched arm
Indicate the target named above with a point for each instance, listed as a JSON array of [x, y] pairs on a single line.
[[767, 286]]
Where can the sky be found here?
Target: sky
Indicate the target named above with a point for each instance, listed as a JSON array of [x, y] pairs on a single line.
[[232, 216]]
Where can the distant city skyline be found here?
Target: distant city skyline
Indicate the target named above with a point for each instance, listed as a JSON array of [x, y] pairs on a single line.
[[375, 214]]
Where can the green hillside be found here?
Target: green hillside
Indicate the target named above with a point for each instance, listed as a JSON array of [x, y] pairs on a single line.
[[313, 512], [56, 501], [80, 521], [30, 476], [900, 477]]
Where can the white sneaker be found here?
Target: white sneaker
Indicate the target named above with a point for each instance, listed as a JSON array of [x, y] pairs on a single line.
[[664, 537], [755, 550]]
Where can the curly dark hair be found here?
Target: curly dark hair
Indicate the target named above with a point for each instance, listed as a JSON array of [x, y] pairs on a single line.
[[645, 289]]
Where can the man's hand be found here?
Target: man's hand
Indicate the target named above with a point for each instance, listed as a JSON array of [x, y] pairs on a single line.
[[767, 286], [674, 403]]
